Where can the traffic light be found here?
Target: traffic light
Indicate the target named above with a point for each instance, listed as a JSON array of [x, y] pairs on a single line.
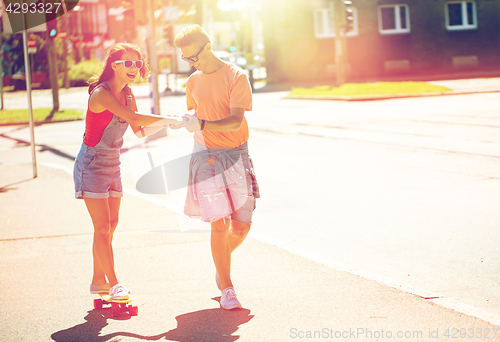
[[51, 19], [51, 16], [52, 28], [169, 34], [349, 23]]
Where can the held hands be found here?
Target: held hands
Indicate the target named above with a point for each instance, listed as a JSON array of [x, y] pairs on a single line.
[[178, 121], [189, 121], [192, 124]]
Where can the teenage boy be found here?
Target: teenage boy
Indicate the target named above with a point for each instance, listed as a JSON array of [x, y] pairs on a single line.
[[222, 185]]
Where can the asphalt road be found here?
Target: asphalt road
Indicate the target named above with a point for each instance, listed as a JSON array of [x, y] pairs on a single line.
[[403, 191]]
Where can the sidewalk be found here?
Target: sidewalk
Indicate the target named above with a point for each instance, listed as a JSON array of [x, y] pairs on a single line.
[[45, 247], [458, 87]]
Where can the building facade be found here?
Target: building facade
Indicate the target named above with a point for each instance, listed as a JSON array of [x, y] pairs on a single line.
[[94, 25], [383, 37]]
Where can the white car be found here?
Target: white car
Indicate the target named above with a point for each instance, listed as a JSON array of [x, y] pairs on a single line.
[[231, 57]]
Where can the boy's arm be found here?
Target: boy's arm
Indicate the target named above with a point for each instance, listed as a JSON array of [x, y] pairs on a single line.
[[229, 124]]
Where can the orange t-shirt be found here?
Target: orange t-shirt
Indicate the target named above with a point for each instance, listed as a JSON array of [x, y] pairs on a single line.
[[212, 96]]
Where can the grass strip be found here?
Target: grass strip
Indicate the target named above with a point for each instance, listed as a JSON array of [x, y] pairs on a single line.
[[367, 89], [15, 116]]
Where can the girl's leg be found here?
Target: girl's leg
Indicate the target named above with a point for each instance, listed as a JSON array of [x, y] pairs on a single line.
[[99, 277], [99, 209], [114, 208]]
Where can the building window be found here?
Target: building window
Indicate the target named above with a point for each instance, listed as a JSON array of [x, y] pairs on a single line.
[[324, 25], [460, 15], [393, 19]]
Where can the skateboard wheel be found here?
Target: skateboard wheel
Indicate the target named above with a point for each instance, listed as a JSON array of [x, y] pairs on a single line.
[[133, 310], [97, 303], [116, 311]]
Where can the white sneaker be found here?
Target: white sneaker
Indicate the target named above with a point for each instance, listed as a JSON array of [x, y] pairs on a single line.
[[119, 292], [95, 289], [228, 299]]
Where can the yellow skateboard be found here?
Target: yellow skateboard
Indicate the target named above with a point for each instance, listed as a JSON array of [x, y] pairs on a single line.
[[117, 305]]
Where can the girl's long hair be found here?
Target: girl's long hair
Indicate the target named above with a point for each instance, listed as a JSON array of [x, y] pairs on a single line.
[[115, 53]]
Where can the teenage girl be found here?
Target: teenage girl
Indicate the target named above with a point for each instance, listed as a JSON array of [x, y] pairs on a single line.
[[111, 109]]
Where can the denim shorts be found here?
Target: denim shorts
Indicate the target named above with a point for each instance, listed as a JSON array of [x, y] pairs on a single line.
[[219, 202], [97, 173]]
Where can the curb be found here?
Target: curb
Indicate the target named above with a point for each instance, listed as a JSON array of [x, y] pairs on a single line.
[[385, 97], [39, 123]]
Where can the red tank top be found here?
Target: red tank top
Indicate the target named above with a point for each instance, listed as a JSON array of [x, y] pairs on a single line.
[[95, 124]]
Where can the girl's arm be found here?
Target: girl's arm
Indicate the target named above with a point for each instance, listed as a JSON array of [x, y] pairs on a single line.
[[140, 131], [102, 99]]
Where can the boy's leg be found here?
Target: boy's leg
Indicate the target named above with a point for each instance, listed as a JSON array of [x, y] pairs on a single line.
[[241, 218], [237, 234], [221, 252]]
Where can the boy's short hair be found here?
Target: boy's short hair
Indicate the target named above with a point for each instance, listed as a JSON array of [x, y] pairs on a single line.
[[193, 34]]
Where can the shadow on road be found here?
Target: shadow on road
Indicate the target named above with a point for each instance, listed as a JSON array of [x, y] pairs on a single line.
[[44, 148], [204, 325], [88, 331], [8, 187]]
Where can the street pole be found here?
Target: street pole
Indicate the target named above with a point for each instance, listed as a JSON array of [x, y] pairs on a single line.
[[1, 58], [170, 15], [338, 11], [27, 69], [153, 57], [174, 67], [153, 63], [65, 51], [1, 64], [51, 50]]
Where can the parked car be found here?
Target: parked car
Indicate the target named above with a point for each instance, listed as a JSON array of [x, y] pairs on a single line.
[[232, 57], [39, 79]]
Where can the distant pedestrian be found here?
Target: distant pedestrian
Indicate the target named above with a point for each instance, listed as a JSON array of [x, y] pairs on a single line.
[[222, 185], [111, 108]]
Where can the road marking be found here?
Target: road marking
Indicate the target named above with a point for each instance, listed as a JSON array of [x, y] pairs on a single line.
[[396, 284], [402, 286]]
